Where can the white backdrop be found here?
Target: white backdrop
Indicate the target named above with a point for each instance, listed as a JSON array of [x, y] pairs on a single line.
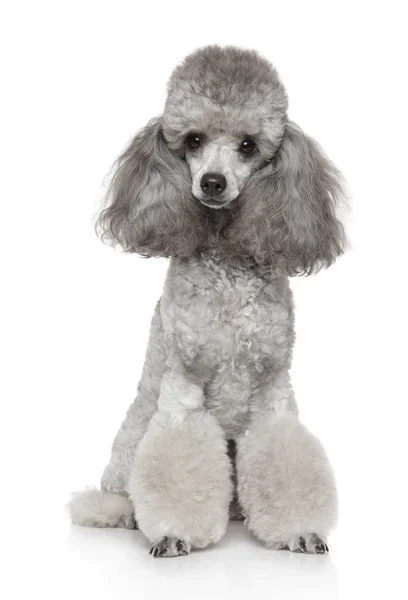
[[79, 78]]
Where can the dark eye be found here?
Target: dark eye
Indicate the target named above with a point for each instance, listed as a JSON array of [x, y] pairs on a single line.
[[247, 147], [194, 141]]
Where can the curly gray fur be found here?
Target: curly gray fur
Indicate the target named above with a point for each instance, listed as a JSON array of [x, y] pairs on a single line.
[[287, 211]]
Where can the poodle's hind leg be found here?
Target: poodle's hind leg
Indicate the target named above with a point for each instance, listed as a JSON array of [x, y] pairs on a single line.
[[115, 477], [286, 485], [110, 506], [180, 482]]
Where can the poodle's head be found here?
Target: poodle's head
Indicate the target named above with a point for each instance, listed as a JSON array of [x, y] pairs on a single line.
[[224, 167], [225, 115]]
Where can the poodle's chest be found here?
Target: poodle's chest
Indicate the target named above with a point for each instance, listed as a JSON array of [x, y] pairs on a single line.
[[231, 328]]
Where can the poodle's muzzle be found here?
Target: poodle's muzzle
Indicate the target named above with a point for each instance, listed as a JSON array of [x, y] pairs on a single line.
[[218, 170], [213, 186]]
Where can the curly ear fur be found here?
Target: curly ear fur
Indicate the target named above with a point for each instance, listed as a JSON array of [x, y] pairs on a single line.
[[150, 206], [287, 213]]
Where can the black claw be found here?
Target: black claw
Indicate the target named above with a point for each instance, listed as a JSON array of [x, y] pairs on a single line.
[[327, 547], [164, 547], [181, 548], [159, 548]]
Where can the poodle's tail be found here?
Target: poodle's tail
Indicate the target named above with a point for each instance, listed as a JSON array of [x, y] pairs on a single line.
[[97, 508]]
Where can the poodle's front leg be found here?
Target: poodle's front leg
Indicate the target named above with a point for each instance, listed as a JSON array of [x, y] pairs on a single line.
[[180, 481], [285, 483]]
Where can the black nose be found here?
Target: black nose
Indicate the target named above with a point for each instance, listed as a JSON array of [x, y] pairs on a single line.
[[213, 184]]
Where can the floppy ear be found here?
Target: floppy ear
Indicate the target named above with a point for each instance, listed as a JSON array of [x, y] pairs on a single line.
[[288, 209], [150, 209]]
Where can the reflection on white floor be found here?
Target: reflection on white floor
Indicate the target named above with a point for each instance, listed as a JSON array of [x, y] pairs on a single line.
[[47, 557], [118, 565]]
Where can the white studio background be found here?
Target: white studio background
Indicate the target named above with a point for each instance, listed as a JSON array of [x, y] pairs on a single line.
[[78, 79]]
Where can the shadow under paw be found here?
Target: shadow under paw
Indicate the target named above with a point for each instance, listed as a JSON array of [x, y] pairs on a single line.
[[128, 522], [169, 547]]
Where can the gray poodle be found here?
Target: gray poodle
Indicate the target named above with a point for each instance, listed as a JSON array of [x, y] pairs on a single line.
[[239, 198]]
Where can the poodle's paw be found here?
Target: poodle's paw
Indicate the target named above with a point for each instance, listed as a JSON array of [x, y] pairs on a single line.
[[168, 547], [308, 544]]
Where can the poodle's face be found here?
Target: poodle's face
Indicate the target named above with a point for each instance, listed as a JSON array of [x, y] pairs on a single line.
[[225, 115], [220, 165], [224, 168]]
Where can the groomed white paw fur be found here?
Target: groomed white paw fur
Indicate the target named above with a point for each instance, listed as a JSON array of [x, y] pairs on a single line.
[[285, 484], [180, 483]]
